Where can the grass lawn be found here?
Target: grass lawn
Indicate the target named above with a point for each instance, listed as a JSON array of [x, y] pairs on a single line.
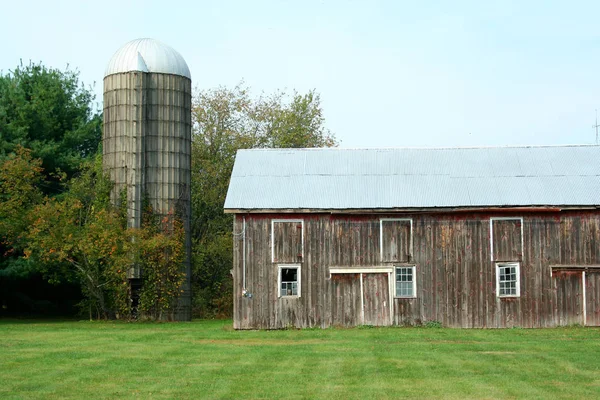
[[208, 359]]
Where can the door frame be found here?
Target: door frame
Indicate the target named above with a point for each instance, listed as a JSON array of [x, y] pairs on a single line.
[[369, 270], [583, 269]]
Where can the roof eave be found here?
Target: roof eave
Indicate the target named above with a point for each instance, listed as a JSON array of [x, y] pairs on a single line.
[[498, 209]]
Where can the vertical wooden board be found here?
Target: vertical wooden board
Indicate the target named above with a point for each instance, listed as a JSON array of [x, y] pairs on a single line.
[[376, 299], [569, 297], [507, 240], [592, 298], [396, 240]]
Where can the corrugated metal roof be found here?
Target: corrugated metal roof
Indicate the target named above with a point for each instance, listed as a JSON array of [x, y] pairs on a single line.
[[415, 178], [147, 55]]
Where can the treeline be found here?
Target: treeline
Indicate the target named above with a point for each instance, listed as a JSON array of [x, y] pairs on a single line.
[[66, 248]]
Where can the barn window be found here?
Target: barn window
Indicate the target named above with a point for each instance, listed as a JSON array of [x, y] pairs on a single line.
[[287, 240], [395, 235], [506, 239], [289, 281], [507, 280], [406, 283]]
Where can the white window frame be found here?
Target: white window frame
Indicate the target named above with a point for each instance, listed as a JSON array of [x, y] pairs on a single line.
[[492, 233], [517, 267], [273, 221], [414, 281], [287, 266], [381, 221]]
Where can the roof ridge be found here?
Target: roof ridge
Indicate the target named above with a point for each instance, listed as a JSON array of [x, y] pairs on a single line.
[[536, 146]]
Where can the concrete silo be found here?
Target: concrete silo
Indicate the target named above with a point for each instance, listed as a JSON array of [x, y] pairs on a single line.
[[147, 137]]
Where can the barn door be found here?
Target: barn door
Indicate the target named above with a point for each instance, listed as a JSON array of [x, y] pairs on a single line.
[[346, 300], [376, 299], [592, 298], [569, 297]]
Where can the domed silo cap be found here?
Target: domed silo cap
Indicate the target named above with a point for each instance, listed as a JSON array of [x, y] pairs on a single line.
[[147, 55]]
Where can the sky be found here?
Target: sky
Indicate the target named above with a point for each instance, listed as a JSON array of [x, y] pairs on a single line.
[[389, 73]]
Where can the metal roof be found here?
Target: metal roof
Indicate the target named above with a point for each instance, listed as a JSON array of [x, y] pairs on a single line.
[[330, 179], [147, 55]]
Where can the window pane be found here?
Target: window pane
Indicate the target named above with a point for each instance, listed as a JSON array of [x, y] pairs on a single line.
[[289, 274], [507, 280], [289, 281], [404, 282]]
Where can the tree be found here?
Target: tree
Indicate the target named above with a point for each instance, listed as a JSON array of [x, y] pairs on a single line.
[[20, 177], [159, 253], [226, 120], [78, 236], [50, 112]]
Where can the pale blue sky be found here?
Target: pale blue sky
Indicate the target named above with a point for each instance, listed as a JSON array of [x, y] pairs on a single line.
[[390, 73]]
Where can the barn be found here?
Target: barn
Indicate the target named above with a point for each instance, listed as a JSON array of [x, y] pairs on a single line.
[[486, 237]]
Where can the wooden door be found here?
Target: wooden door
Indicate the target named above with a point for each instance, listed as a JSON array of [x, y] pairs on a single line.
[[569, 296], [592, 298], [346, 300], [376, 299]]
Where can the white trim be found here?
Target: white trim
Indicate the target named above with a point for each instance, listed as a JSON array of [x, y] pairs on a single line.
[[584, 298], [414, 281], [282, 266], [575, 266], [376, 270], [381, 221], [273, 235], [391, 296], [492, 219], [517, 265]]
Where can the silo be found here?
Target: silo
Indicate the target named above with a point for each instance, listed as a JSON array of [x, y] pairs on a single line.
[[147, 137]]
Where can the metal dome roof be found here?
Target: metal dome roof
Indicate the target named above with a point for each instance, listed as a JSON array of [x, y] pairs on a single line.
[[147, 55]]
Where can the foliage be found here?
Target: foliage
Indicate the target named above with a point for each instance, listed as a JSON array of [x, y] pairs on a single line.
[[50, 112], [20, 177], [226, 120], [208, 359], [213, 259], [159, 253], [78, 236], [433, 324]]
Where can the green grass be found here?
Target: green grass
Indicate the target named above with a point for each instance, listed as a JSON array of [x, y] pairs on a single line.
[[208, 359]]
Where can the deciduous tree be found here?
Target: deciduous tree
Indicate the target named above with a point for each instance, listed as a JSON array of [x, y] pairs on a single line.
[[226, 120], [50, 112]]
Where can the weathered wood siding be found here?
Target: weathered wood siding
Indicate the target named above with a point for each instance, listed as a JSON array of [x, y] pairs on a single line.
[[396, 240], [452, 254], [287, 241], [569, 297], [592, 300], [376, 298], [345, 300], [507, 243]]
